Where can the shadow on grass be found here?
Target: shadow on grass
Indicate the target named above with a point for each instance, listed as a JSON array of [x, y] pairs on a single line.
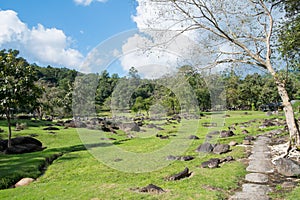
[[29, 123], [15, 167]]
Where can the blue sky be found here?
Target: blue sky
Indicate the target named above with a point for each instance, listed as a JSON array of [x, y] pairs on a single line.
[[65, 33], [73, 27]]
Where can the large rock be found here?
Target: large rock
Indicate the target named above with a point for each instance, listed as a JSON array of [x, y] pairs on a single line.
[[287, 167], [205, 148], [232, 143], [24, 182], [21, 145], [221, 148]]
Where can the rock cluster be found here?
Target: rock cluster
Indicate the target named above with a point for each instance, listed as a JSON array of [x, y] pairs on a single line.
[[215, 148]]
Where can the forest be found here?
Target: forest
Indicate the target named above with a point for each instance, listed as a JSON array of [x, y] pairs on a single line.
[[53, 95]]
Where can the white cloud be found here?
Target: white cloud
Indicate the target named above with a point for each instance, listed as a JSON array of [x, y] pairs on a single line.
[[87, 2], [39, 44], [153, 50], [151, 63], [11, 27]]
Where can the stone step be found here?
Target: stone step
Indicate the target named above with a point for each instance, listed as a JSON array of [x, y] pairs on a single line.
[[256, 188], [260, 156], [257, 178], [260, 166], [249, 196]]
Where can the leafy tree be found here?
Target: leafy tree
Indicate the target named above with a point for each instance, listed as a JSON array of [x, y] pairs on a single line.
[[105, 87], [246, 28], [17, 86], [141, 105], [251, 89], [83, 96], [289, 36], [133, 73], [268, 92], [198, 85]]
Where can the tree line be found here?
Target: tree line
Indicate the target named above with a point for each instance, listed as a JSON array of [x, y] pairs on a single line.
[[48, 91]]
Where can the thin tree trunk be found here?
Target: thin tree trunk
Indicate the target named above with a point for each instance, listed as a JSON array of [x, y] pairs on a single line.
[[9, 127], [289, 114]]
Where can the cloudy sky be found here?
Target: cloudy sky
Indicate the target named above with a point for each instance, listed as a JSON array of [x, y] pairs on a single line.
[[62, 32], [73, 33]]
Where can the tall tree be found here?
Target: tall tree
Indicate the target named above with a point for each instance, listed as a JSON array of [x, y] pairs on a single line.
[[17, 86], [233, 32], [289, 36]]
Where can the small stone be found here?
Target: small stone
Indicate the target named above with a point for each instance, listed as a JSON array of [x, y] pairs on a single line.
[[24, 182], [170, 157], [232, 143], [193, 137], [152, 189], [288, 184], [186, 158], [212, 163], [225, 134], [247, 142], [249, 137]]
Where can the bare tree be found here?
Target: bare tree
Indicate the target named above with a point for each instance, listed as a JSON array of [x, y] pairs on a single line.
[[241, 31]]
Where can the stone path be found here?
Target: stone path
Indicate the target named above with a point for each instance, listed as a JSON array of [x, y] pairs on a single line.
[[260, 166]]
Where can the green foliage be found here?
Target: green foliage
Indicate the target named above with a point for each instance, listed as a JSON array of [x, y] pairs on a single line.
[[18, 91], [289, 36], [142, 95]]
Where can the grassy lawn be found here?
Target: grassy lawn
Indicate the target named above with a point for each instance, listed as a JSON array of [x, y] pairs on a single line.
[[77, 174]]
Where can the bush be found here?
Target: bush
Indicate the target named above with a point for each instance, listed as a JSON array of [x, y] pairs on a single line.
[[21, 126], [9, 181]]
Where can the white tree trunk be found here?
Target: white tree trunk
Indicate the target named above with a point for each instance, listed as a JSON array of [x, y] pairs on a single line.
[[289, 114]]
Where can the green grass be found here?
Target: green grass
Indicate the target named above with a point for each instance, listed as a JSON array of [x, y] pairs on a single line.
[[294, 194], [77, 174]]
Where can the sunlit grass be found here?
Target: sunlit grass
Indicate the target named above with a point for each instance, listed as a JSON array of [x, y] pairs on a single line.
[[79, 175]]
